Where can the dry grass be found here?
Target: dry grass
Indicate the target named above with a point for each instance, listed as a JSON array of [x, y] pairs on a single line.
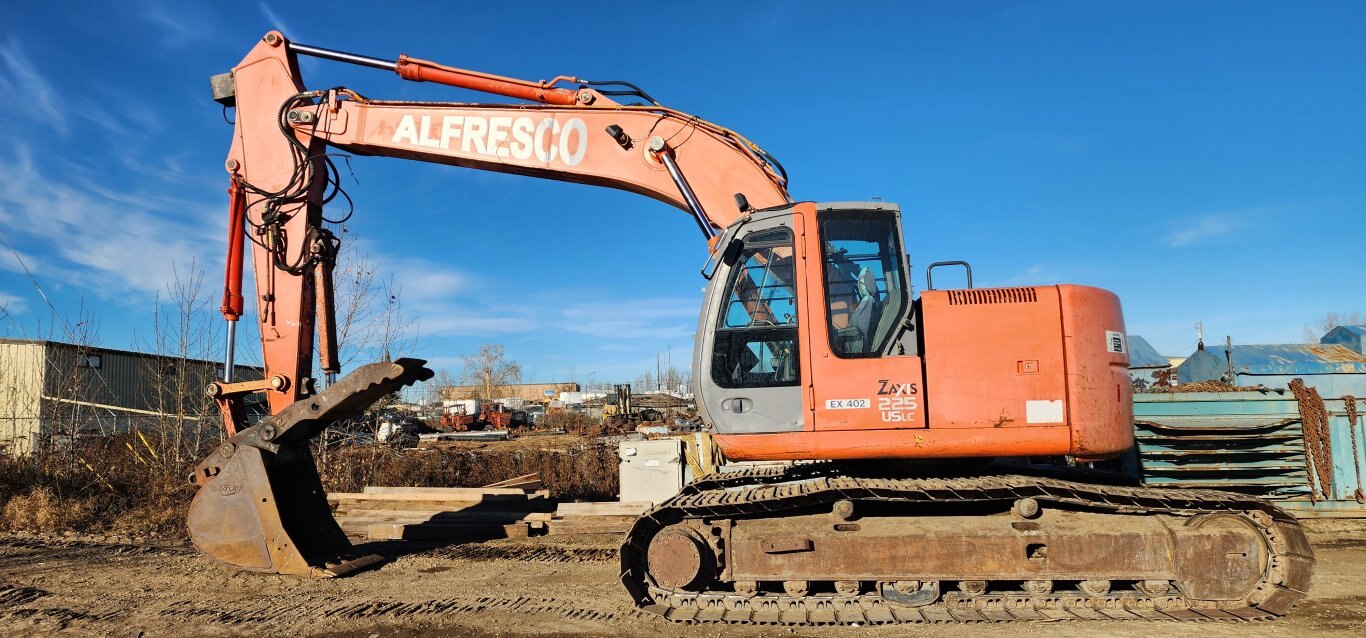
[[40, 509], [114, 486], [577, 473], [103, 487]]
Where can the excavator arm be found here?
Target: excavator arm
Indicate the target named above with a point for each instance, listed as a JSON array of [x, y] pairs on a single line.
[[261, 505], [280, 173]]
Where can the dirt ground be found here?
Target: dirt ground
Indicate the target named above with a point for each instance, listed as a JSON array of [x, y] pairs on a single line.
[[539, 586]]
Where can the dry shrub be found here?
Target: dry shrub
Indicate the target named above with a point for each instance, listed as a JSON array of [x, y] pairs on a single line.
[[41, 510], [116, 485], [103, 486], [588, 473]]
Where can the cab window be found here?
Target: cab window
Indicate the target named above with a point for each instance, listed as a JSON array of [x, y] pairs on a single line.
[[865, 290], [756, 339]]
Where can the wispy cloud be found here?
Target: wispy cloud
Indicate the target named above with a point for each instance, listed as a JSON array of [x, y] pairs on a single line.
[[183, 23], [97, 238], [18, 78], [452, 303], [1201, 229], [656, 318], [12, 304], [275, 22], [309, 64]]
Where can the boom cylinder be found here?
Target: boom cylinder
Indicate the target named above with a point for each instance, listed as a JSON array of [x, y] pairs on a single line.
[[232, 277]]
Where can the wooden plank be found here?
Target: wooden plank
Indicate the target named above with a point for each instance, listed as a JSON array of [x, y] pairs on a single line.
[[452, 491], [480, 514], [438, 515], [586, 525], [451, 499], [526, 482], [430, 531], [541, 505], [613, 508]]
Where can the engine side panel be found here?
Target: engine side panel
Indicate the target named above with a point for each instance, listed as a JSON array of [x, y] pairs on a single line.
[[994, 358]]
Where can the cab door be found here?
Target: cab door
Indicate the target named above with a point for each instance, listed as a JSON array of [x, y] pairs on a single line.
[[747, 368], [863, 374]]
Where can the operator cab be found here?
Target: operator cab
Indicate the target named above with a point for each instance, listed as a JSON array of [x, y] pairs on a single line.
[[799, 292]]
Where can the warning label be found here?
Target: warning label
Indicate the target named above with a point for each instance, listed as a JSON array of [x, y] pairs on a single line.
[[1114, 342]]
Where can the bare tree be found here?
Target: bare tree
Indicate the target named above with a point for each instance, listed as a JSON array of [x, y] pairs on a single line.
[[185, 346], [440, 384], [66, 410], [394, 336], [1327, 322], [354, 296], [371, 324], [489, 371]]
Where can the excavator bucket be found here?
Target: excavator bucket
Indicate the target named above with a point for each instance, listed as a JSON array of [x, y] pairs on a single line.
[[261, 505]]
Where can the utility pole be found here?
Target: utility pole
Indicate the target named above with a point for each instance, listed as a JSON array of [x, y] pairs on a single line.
[[1228, 354]]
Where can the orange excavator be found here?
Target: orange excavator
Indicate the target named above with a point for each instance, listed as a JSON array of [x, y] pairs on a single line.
[[941, 444]]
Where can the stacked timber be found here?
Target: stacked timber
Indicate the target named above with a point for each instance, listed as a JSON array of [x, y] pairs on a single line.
[[515, 508], [595, 518]]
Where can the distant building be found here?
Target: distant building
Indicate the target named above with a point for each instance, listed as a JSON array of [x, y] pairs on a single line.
[[1331, 367], [533, 392], [50, 389], [1353, 337], [1147, 368]]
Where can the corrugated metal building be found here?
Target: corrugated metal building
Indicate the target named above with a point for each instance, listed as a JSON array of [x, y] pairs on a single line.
[[52, 389], [1333, 369], [1353, 337], [1147, 368], [1259, 441]]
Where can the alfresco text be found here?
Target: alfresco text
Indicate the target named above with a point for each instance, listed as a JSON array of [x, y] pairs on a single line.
[[500, 136]]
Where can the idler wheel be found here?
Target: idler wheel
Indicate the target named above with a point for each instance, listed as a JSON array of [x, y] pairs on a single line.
[[1095, 587], [847, 587], [1227, 560], [972, 587], [1154, 587], [678, 558]]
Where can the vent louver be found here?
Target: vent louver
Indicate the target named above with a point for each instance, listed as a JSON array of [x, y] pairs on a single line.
[[992, 295]]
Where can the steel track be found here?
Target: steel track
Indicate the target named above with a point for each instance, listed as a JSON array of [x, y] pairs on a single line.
[[768, 492]]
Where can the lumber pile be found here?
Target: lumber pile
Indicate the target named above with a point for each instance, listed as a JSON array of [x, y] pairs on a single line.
[[514, 508], [595, 518]]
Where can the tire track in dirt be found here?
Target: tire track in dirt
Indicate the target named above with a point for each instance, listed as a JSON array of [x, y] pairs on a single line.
[[15, 547], [548, 554], [11, 596], [17, 606], [310, 612]]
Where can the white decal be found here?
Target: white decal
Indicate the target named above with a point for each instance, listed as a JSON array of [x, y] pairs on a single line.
[[847, 404], [1043, 412], [499, 136], [898, 409], [521, 137], [1114, 342], [544, 152]]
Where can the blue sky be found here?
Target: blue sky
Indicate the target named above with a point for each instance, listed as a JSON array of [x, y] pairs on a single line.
[[1205, 160]]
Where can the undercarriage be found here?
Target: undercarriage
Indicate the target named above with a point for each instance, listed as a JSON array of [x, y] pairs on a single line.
[[834, 544]]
